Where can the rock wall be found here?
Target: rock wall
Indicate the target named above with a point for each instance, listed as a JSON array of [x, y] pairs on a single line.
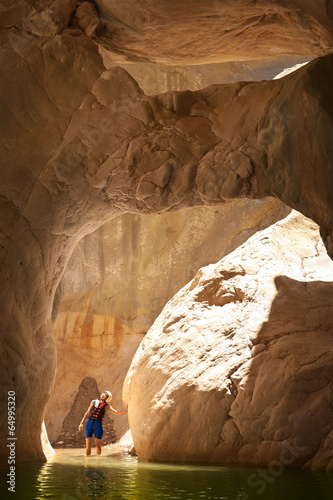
[[238, 367], [117, 282], [33, 254]]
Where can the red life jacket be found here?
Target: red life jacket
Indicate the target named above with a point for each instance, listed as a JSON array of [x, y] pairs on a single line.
[[98, 413]]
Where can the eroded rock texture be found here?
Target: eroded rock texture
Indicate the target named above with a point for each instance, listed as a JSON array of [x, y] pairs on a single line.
[[215, 30], [81, 145], [238, 367]]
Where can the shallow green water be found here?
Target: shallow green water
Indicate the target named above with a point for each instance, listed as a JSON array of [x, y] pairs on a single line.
[[70, 475]]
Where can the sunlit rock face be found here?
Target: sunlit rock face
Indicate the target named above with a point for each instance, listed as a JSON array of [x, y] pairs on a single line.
[[82, 144], [238, 367], [117, 282]]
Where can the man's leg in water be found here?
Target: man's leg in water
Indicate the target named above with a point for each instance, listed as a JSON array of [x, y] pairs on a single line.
[[98, 444], [88, 446]]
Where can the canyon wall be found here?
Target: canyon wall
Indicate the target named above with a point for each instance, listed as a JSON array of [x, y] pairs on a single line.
[[115, 285], [238, 367], [82, 144]]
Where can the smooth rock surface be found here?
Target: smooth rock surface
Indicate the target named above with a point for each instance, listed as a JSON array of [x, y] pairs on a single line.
[[35, 116], [47, 448], [117, 282], [238, 367]]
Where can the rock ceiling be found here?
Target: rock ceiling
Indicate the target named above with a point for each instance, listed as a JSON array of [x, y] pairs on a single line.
[[187, 32], [202, 31]]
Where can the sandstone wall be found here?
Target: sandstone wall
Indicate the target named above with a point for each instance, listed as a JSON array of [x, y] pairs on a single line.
[[117, 282], [81, 145], [238, 367]]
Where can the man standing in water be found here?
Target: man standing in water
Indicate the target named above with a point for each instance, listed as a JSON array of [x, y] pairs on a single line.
[[95, 413]]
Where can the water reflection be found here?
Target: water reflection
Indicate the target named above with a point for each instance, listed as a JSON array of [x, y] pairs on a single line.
[[71, 476], [90, 482]]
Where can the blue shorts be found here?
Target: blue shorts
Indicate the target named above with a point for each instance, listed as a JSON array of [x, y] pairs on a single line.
[[94, 427]]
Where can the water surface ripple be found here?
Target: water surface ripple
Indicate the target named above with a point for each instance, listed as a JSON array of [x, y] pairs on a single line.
[[69, 475]]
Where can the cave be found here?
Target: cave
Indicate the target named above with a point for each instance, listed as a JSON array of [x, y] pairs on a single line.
[[128, 130]]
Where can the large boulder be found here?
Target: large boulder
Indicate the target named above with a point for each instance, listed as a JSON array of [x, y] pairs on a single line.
[[238, 367]]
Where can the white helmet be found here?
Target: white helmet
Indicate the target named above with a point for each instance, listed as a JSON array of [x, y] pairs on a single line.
[[109, 398]]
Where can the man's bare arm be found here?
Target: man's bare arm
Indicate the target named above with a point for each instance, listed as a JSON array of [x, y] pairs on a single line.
[[113, 410], [85, 415]]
